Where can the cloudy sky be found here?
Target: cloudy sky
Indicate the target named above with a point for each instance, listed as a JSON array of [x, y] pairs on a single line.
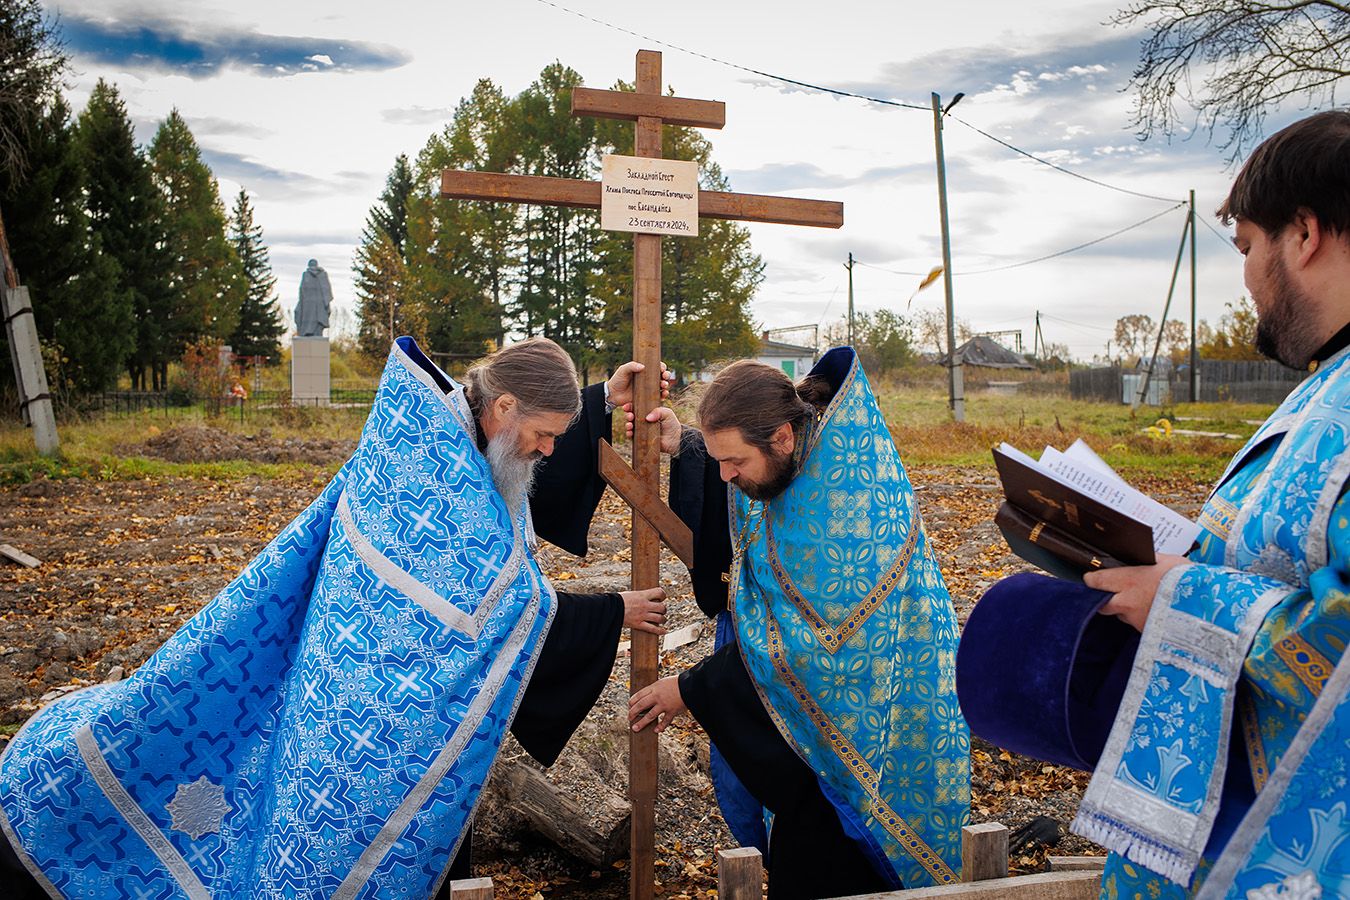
[[306, 105]]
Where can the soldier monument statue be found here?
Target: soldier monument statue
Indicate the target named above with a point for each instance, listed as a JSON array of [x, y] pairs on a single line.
[[309, 348]]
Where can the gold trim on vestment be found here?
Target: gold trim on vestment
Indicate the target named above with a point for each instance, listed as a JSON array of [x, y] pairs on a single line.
[[832, 638]]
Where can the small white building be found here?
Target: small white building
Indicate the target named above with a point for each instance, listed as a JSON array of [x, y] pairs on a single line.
[[793, 359]]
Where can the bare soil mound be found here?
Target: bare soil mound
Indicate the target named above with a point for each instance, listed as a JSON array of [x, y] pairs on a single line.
[[199, 443]]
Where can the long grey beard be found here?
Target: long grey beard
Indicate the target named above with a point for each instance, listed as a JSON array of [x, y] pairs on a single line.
[[512, 473]]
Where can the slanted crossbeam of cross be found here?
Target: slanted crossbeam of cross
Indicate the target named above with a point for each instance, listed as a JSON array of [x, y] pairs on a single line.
[[639, 485]]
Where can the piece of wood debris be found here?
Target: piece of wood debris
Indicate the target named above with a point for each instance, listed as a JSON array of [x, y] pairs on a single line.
[[671, 641], [14, 554]]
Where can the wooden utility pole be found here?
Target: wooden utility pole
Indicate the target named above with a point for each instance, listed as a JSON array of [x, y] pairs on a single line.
[[849, 266], [35, 400], [1195, 355], [1142, 394], [640, 486], [956, 383]]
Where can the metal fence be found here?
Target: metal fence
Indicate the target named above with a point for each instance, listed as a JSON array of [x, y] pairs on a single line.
[[1240, 381], [169, 403]]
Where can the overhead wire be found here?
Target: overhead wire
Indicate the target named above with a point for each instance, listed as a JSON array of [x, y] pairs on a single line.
[[842, 93], [1059, 168], [1225, 239], [724, 62], [1075, 248], [1027, 262]]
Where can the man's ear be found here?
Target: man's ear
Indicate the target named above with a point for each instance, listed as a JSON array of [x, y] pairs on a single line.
[[1307, 235], [504, 405], [784, 438]]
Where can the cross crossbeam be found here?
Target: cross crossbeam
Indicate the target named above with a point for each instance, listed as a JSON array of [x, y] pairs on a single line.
[[582, 194]]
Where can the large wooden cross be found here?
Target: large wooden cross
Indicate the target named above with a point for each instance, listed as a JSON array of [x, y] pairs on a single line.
[[640, 485]]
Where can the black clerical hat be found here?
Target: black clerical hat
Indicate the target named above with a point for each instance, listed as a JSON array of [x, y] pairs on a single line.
[[1040, 673]]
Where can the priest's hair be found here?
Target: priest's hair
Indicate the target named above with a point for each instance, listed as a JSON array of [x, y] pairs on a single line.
[[756, 399], [537, 372], [1303, 167]]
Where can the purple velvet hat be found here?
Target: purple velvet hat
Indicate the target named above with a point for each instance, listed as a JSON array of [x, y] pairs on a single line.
[[1040, 673]]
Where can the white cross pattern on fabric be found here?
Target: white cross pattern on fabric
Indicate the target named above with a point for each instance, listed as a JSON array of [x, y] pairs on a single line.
[[50, 784], [408, 682], [400, 418], [198, 855], [422, 521], [320, 798], [309, 690], [284, 858], [113, 748], [363, 740], [346, 633], [143, 893]]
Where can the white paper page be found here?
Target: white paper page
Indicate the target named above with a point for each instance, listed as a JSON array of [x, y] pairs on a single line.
[[1081, 452], [1171, 533]]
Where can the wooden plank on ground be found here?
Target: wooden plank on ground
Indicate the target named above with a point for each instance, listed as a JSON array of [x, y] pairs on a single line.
[[14, 554], [1047, 886], [984, 851], [740, 874], [471, 889], [645, 500], [1076, 863]]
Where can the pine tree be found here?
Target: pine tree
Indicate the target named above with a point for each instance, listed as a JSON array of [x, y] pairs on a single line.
[[125, 212], [381, 297], [554, 297], [460, 254], [204, 272], [390, 214], [383, 309], [260, 327], [83, 314]]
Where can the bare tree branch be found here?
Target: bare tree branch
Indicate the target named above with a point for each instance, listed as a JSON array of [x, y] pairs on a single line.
[[32, 61], [1232, 61]]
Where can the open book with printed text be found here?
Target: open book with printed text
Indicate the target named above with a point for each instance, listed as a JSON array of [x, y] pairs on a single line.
[[1070, 513]]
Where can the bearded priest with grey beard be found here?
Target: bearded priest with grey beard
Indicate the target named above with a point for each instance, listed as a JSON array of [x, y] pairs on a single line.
[[324, 726]]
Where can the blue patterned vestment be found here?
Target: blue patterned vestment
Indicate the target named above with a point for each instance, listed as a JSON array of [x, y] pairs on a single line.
[[324, 725], [849, 635], [1246, 641]]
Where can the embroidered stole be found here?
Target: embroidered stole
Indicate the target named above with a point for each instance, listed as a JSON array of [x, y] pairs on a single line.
[[849, 635]]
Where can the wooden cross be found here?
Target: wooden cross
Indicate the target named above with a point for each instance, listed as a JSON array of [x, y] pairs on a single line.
[[639, 486]]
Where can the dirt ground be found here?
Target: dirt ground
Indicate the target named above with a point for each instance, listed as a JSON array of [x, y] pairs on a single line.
[[125, 562]]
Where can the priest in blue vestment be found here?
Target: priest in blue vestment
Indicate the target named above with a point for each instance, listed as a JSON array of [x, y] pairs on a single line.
[[830, 700], [1210, 694], [324, 726]]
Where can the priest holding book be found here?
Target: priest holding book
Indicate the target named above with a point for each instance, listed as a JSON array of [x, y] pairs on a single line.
[[1208, 692]]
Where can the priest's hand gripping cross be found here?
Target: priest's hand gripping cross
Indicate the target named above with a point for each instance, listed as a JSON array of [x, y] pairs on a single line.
[[639, 485]]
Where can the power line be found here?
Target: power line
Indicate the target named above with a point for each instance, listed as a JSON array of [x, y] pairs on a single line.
[[1059, 168], [723, 62], [1075, 248], [1226, 240], [890, 271], [1027, 262], [1053, 318], [841, 93]]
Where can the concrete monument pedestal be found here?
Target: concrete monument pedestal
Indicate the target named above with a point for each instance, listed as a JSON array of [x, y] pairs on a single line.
[[310, 376]]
